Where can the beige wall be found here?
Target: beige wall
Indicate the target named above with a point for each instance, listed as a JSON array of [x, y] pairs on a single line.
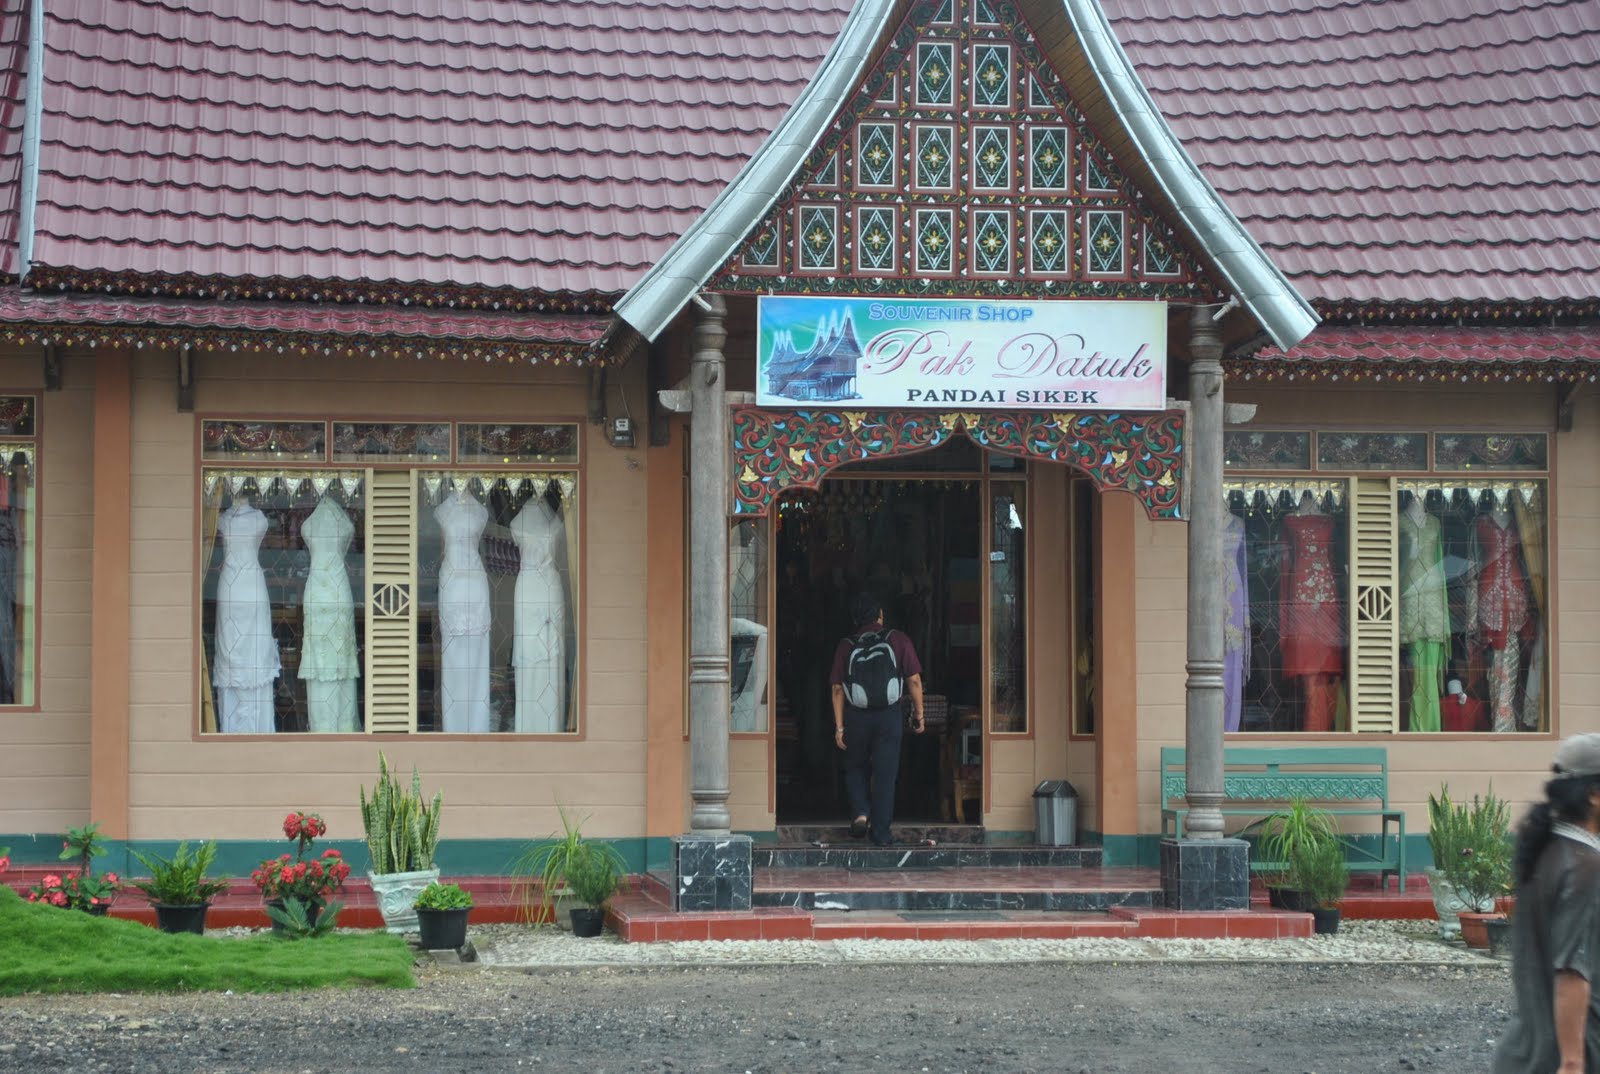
[[44, 765], [503, 787], [1418, 764]]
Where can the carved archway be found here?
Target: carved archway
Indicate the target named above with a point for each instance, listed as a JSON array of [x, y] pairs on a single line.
[[777, 450]]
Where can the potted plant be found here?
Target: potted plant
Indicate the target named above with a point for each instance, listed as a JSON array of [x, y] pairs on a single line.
[[85, 891], [1318, 869], [593, 874], [556, 863], [1478, 865], [442, 911], [402, 834], [311, 884], [178, 887], [1285, 834]]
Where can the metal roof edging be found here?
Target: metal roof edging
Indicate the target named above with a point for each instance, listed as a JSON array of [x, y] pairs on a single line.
[[32, 120], [1259, 284], [651, 304]]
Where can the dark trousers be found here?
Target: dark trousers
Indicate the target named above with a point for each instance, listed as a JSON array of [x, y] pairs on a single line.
[[871, 762]]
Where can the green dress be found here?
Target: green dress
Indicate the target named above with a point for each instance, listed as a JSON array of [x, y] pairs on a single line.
[[1424, 615]]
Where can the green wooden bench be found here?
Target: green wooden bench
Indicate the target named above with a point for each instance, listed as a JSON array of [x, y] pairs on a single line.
[[1258, 781]]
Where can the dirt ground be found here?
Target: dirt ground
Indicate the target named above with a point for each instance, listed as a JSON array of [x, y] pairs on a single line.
[[1064, 1018]]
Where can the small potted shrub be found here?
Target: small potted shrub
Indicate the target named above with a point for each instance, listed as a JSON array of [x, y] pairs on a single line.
[[1318, 869], [553, 863], [300, 891], [1284, 835], [1479, 869], [593, 874], [85, 891], [402, 834], [179, 889], [442, 911]]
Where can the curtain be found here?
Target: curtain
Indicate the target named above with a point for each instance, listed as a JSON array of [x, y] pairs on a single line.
[[1530, 529], [210, 510], [569, 518]]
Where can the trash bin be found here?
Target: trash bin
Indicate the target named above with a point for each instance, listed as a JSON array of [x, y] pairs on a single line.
[[1055, 813]]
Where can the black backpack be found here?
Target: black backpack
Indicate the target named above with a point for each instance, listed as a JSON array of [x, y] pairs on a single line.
[[872, 673]]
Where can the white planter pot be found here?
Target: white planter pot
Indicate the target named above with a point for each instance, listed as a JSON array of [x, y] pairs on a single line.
[[1447, 905], [397, 892]]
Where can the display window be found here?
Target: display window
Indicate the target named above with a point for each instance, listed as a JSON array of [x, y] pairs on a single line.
[[19, 551], [1408, 593], [385, 598]]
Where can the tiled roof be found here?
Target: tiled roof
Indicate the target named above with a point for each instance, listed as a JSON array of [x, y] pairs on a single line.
[[1399, 151], [1470, 346], [552, 147]]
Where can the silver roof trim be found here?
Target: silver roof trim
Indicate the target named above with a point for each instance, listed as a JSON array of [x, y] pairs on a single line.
[[1260, 286], [652, 303]]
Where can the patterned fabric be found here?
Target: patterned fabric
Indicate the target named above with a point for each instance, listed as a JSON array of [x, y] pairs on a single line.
[[1424, 595], [1312, 621], [328, 653], [1502, 587], [1235, 629]]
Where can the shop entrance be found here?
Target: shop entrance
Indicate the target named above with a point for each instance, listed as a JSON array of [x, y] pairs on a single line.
[[914, 539]]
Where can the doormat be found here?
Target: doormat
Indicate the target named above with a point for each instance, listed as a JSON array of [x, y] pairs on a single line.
[[951, 915]]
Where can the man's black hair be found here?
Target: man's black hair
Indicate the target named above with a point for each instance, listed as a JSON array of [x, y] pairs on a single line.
[[865, 609]]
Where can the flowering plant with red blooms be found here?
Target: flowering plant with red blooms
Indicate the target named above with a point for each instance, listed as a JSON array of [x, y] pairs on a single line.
[[305, 827], [311, 881], [5, 858], [76, 891]]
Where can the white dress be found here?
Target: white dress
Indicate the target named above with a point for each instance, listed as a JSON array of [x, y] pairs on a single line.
[[328, 655], [463, 617], [244, 657], [538, 653]]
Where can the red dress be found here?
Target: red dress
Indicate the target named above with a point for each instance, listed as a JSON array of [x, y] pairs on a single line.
[[1311, 620], [1502, 586]]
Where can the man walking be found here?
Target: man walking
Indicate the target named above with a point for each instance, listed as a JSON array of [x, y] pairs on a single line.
[[1555, 933], [873, 670]]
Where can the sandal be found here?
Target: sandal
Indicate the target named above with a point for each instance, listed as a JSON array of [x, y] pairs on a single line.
[[858, 828]]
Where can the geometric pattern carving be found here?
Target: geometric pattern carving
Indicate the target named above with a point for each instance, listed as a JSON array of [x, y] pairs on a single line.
[[876, 245], [961, 114], [1270, 787], [1374, 604], [391, 599], [777, 450]]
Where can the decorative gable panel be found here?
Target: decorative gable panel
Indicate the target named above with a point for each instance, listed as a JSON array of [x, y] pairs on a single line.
[[960, 167]]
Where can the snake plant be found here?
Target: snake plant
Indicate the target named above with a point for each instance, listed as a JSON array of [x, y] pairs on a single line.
[[402, 828]]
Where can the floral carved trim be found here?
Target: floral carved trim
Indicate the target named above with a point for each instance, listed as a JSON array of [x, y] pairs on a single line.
[[779, 450]]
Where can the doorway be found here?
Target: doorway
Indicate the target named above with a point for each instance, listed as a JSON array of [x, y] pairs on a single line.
[[915, 540]]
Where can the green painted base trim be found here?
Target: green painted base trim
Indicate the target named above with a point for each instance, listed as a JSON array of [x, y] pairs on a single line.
[[1145, 850], [237, 857]]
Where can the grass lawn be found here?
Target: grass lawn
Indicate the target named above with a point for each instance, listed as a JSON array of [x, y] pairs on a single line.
[[47, 949]]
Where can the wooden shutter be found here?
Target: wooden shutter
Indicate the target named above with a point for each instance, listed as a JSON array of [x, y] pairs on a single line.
[[391, 602], [1374, 606]]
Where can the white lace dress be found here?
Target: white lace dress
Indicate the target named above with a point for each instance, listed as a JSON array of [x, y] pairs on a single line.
[[539, 651], [464, 615], [329, 660], [244, 656]]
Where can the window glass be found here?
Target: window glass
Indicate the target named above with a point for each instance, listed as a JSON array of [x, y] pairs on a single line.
[[1084, 668], [1372, 451], [1473, 599], [17, 415], [544, 444], [19, 556], [748, 636], [390, 441], [1285, 580], [1008, 620], [250, 441], [497, 630], [1266, 450], [1490, 451], [281, 626]]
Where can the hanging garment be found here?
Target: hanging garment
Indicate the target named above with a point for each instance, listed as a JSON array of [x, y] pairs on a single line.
[[1311, 619], [244, 658], [1424, 615], [463, 617], [1235, 628], [329, 661], [8, 606], [539, 651], [1501, 612]]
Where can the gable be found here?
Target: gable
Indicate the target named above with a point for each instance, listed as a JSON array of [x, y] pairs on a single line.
[[960, 166]]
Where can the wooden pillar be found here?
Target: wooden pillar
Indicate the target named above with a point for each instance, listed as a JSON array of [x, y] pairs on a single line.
[[664, 595], [710, 489], [1203, 696], [1117, 662], [110, 621]]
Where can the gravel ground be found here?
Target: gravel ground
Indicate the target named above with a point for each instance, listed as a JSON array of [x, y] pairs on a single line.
[[778, 1007]]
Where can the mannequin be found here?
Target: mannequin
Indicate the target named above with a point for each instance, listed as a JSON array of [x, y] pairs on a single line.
[[1424, 611], [244, 659], [539, 652], [463, 616], [328, 661], [1236, 627], [1311, 625], [1499, 606]]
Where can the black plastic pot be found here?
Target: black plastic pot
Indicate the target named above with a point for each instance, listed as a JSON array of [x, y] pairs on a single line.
[[1290, 899], [1325, 920], [442, 930], [588, 921], [188, 918]]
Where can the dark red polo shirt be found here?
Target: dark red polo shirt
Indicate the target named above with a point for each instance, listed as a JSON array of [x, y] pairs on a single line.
[[905, 654]]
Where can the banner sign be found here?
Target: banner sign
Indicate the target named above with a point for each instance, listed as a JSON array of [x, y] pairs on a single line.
[[940, 353]]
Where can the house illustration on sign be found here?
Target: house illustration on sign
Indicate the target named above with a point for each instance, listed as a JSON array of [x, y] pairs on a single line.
[[826, 372]]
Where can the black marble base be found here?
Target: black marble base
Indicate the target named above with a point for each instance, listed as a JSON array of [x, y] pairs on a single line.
[[1205, 874], [959, 900], [858, 855], [711, 872], [910, 833]]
